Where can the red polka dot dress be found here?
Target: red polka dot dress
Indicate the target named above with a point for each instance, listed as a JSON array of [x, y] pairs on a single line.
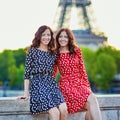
[[73, 83]]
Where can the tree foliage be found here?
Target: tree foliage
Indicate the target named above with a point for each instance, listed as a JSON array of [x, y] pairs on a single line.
[[12, 67], [6, 60], [19, 56], [89, 60], [112, 52], [101, 66], [105, 70]]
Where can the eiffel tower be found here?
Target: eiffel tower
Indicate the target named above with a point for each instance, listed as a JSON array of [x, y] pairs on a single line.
[[78, 15]]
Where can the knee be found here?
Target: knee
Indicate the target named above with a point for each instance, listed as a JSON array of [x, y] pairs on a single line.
[[54, 112], [92, 98], [63, 109]]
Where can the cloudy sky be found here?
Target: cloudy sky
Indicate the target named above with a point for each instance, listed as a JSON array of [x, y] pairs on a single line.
[[19, 20]]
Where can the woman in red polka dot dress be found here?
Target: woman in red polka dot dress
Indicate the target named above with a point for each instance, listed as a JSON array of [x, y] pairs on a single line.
[[74, 83]]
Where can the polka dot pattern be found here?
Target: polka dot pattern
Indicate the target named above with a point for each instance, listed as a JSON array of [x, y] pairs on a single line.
[[44, 91], [73, 83]]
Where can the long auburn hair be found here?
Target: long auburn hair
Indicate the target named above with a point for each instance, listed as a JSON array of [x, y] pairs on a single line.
[[38, 35], [71, 40]]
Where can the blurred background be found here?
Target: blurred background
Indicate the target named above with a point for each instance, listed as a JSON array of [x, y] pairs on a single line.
[[95, 24]]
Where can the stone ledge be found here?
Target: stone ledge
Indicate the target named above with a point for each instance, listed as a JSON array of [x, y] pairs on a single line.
[[11, 109], [105, 102]]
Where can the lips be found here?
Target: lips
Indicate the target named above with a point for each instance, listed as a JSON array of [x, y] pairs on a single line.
[[63, 42]]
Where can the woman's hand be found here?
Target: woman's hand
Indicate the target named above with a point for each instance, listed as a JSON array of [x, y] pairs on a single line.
[[25, 96]]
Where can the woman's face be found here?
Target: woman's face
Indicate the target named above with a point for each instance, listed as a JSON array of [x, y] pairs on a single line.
[[46, 37], [63, 39]]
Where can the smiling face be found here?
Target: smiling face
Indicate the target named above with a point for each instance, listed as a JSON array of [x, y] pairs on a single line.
[[63, 39], [46, 37]]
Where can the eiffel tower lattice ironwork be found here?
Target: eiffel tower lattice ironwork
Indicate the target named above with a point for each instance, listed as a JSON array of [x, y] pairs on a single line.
[[78, 15]]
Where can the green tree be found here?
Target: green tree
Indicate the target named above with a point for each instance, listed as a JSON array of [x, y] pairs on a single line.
[[89, 60], [20, 79], [112, 52], [12, 74], [6, 60], [19, 56], [105, 69]]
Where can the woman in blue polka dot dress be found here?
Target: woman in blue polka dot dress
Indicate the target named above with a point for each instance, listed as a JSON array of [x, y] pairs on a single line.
[[39, 82]]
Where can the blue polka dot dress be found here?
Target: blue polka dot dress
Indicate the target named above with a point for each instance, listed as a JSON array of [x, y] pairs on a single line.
[[44, 91]]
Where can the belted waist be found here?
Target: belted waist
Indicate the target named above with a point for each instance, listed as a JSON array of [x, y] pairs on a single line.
[[42, 73]]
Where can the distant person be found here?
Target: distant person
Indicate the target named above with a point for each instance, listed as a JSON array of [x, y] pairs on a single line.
[[73, 82], [39, 82]]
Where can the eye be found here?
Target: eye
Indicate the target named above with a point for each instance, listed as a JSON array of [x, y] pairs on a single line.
[[60, 36], [48, 34], [66, 36], [43, 34], [63, 36]]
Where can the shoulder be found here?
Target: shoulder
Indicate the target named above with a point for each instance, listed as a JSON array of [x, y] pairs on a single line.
[[31, 51], [77, 50]]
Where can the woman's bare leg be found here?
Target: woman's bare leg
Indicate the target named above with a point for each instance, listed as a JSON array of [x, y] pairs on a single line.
[[63, 111], [54, 114], [87, 114], [93, 108]]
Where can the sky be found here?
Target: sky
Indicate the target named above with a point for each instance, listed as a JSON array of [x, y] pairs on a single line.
[[20, 19]]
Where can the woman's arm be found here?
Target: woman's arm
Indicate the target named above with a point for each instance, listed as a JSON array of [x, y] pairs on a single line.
[[27, 75], [26, 90], [82, 69]]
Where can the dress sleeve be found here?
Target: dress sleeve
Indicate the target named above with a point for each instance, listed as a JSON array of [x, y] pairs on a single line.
[[84, 77], [28, 64]]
